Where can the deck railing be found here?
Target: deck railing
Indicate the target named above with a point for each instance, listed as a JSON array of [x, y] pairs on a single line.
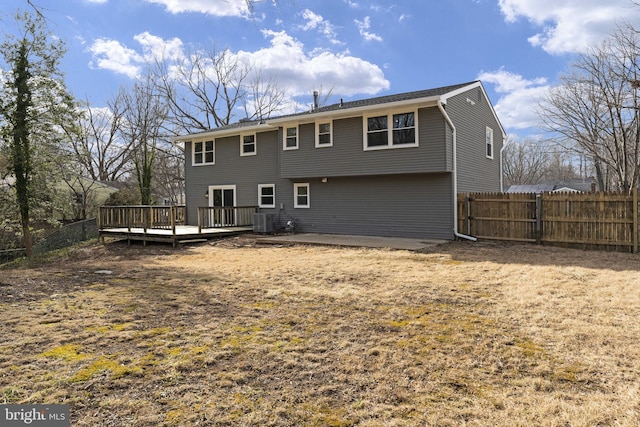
[[220, 217], [145, 217]]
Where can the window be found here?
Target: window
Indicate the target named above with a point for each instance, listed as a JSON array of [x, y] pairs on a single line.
[[267, 195], [404, 129], [323, 135], [489, 142], [377, 132], [203, 153], [290, 138], [401, 134], [301, 196], [248, 145]]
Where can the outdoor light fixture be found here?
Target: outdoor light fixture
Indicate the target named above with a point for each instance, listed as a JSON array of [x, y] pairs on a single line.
[[324, 180]]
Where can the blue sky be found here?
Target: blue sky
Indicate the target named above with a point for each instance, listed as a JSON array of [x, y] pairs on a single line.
[[355, 48]]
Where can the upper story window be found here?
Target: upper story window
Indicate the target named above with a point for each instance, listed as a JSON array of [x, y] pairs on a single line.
[[290, 138], [301, 195], [324, 137], [267, 195], [248, 145], [203, 153], [489, 142], [401, 133]]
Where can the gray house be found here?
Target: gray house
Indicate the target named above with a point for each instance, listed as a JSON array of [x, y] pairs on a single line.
[[385, 166]]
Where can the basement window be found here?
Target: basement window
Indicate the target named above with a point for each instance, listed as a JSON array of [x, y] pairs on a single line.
[[301, 195]]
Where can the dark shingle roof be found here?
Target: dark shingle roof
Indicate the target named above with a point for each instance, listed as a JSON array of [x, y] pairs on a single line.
[[391, 98], [351, 104]]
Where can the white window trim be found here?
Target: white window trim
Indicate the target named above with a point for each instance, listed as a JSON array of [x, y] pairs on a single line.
[[284, 137], [295, 195], [193, 153], [330, 144], [488, 142], [255, 144], [389, 115], [260, 187]]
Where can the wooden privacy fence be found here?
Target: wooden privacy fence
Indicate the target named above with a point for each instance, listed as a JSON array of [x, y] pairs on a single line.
[[590, 220]]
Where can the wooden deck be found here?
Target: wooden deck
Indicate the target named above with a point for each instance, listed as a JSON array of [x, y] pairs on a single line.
[[165, 224]]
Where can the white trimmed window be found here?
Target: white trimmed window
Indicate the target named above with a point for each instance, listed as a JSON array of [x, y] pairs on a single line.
[[290, 141], [324, 136], [301, 195], [248, 145], [267, 195], [390, 131], [203, 153], [489, 142]]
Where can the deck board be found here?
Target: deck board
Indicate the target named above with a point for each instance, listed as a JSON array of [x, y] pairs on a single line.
[[183, 233]]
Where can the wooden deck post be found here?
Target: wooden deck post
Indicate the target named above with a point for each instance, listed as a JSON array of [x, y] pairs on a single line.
[[173, 213]]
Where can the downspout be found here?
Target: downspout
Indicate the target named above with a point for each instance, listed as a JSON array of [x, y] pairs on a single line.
[[455, 176]]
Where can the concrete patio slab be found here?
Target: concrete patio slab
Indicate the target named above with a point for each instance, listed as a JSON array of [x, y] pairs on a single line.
[[352, 240]]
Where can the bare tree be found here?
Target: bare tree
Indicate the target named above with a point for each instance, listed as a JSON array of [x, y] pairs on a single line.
[[208, 89], [595, 111], [144, 120], [169, 174], [525, 161], [97, 144]]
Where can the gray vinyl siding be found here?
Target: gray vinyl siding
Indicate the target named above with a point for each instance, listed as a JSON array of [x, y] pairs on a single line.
[[245, 172], [476, 172], [348, 158], [403, 192], [413, 206]]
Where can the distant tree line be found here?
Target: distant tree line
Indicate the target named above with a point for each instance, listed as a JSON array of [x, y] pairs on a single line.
[[593, 117]]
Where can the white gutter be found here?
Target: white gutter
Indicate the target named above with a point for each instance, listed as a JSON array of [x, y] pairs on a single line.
[[455, 176]]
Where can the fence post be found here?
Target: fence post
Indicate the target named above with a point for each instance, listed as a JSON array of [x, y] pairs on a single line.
[[538, 218], [468, 203], [635, 220]]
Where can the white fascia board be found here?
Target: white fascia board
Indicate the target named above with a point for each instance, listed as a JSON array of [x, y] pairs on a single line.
[[218, 133]]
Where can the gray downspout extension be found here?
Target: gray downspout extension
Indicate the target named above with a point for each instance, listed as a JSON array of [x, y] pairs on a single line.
[[455, 176]]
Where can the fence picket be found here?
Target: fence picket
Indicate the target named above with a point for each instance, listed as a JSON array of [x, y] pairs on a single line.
[[598, 220]]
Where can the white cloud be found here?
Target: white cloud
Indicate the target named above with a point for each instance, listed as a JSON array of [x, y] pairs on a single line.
[[155, 47], [299, 72], [315, 21], [570, 25], [363, 27], [519, 98], [210, 7], [111, 55], [98, 1]]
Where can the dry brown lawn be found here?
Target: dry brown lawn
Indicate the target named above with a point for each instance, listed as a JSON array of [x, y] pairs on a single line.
[[238, 333]]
